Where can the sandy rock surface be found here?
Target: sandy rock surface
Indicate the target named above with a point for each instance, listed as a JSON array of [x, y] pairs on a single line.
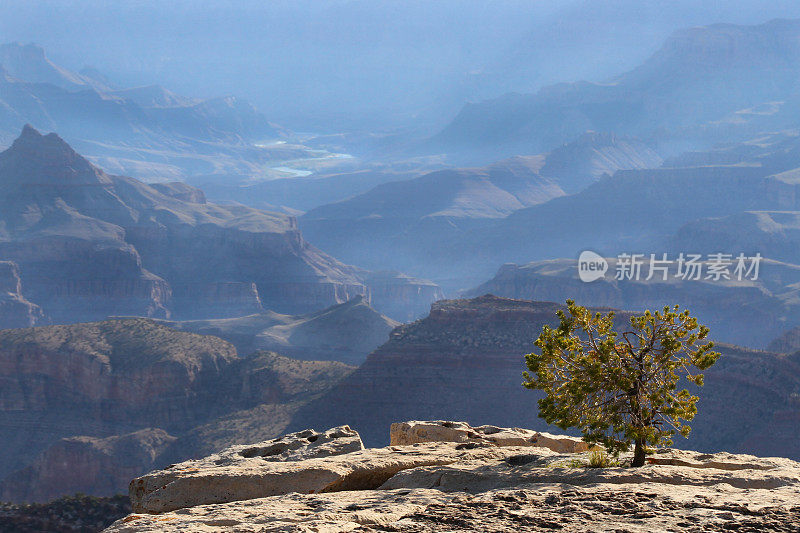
[[466, 486], [609, 504]]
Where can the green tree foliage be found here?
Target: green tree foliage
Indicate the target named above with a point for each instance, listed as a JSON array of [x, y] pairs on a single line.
[[620, 389]]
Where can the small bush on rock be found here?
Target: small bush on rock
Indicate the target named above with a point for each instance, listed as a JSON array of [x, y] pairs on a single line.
[[620, 389]]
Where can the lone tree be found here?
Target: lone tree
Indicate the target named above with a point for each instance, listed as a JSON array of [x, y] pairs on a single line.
[[620, 389]]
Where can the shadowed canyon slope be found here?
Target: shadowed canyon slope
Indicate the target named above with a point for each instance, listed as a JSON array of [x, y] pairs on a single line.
[[85, 405], [465, 362]]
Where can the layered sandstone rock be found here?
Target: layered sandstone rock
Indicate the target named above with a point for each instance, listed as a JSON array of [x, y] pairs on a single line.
[[101, 379], [220, 479], [307, 444]]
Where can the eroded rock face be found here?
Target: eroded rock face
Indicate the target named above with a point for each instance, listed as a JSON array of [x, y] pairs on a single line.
[[101, 379], [401, 297], [405, 433], [104, 379], [217, 299]]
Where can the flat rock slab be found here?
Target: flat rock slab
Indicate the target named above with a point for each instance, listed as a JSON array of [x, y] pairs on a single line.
[[217, 479], [641, 507], [412, 432]]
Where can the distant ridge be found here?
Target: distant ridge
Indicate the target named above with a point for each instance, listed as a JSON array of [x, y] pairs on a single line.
[[699, 75]]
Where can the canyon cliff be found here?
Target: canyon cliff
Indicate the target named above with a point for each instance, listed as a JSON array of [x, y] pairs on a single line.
[[89, 245], [85, 405], [746, 312], [15, 310]]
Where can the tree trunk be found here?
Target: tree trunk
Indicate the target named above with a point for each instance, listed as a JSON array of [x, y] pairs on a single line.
[[638, 453]]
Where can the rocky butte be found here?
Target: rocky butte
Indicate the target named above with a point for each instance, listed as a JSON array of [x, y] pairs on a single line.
[[449, 476]]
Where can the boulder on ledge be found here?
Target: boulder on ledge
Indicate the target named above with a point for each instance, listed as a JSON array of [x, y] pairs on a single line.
[[413, 432]]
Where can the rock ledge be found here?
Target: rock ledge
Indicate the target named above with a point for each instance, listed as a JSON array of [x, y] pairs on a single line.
[[482, 477]]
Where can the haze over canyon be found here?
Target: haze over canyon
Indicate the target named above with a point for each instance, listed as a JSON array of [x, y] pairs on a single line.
[[347, 222]]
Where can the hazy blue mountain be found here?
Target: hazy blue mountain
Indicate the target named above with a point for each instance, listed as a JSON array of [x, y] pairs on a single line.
[[48, 96], [430, 225], [700, 74], [297, 195], [29, 63], [593, 155], [631, 211], [329, 65], [377, 227], [147, 131], [155, 96]]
